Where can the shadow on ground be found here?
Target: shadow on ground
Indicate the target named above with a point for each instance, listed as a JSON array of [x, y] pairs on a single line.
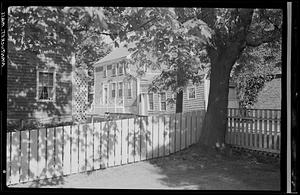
[[194, 168]]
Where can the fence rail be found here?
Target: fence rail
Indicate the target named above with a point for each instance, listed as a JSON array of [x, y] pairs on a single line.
[[49, 152], [257, 129]]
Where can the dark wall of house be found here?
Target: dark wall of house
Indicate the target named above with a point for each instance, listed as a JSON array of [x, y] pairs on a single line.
[[270, 96], [22, 86]]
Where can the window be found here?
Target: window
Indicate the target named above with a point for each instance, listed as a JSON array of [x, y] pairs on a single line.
[[151, 103], [120, 89], [105, 72], [105, 94], [113, 90], [120, 69], [114, 70], [99, 69], [129, 90], [45, 84], [163, 105], [191, 93]]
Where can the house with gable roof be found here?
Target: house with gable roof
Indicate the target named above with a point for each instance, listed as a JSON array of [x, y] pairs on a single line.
[[119, 89]]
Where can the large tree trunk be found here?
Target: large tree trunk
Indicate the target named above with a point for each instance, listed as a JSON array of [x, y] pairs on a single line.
[[215, 122]]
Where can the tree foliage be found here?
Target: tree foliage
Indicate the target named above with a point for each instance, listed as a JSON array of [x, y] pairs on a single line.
[[180, 41], [254, 68]]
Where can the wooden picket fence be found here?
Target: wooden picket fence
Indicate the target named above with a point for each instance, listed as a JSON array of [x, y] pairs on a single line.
[[53, 152], [255, 129]]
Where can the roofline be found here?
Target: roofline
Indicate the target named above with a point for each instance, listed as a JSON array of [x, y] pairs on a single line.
[[97, 64]]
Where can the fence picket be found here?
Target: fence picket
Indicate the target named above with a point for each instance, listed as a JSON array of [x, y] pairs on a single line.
[[131, 141], [188, 127], [15, 157], [150, 138], [42, 148], [143, 137], [260, 129], [104, 137], [155, 126], [137, 140], [125, 140], [177, 131], [118, 143], [172, 133], [58, 147], [161, 129], [275, 131], [89, 147], [33, 155], [82, 137], [111, 143], [74, 149], [97, 151], [167, 135], [233, 129], [194, 127], [50, 159], [24, 156], [251, 128], [67, 150], [270, 129], [183, 131], [8, 161]]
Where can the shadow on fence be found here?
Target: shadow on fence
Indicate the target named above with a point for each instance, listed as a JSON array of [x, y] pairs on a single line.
[[48, 154]]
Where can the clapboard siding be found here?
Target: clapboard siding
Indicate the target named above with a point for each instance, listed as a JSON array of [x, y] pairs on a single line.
[[194, 104], [22, 82]]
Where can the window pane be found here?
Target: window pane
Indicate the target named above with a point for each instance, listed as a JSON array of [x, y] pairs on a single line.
[[120, 89], [191, 92], [43, 93], [151, 104], [113, 91], [163, 106], [50, 93], [163, 97]]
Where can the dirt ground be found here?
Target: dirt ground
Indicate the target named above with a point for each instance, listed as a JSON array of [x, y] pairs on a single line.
[[190, 169]]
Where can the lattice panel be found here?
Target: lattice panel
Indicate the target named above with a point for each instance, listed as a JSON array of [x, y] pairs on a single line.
[[80, 94]]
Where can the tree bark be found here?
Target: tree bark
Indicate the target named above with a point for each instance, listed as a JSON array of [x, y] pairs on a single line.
[[215, 122]]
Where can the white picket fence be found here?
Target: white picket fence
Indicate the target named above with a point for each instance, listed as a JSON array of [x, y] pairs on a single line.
[[256, 129], [51, 152]]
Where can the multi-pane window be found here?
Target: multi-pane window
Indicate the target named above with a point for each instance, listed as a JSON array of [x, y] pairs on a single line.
[[151, 102], [104, 72], [129, 90], [120, 69], [120, 89], [163, 104], [113, 90], [45, 83], [114, 70], [105, 94], [191, 93]]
